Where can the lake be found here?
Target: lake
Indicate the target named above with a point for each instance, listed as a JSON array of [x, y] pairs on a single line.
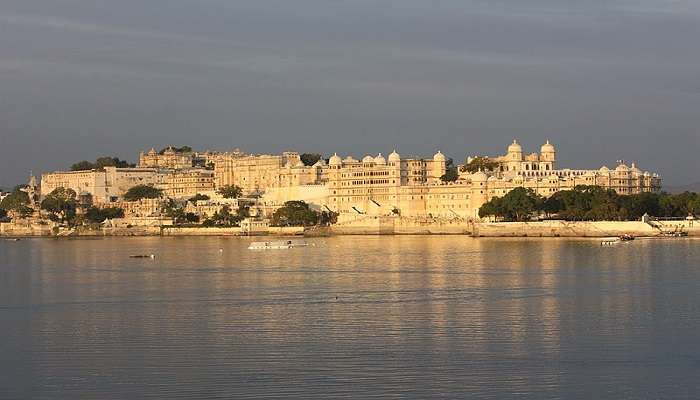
[[409, 317]]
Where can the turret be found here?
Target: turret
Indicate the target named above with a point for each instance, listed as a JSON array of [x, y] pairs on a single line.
[[439, 165], [548, 156], [515, 151]]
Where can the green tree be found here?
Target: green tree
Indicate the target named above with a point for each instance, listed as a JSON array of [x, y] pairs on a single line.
[[183, 149], [310, 159], [139, 192], [61, 203], [327, 218], [197, 197], [230, 191], [15, 201], [481, 163], [82, 166], [99, 215], [295, 213], [112, 162], [225, 217], [100, 163], [695, 206], [450, 175], [520, 204]]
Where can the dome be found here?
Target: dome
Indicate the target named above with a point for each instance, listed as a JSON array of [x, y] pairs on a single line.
[[394, 157], [515, 147], [439, 157], [368, 159], [320, 163], [479, 176], [604, 169], [622, 168], [335, 160], [547, 148], [349, 159], [646, 173], [379, 159]]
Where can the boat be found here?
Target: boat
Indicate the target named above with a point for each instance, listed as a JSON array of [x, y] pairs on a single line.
[[143, 256], [626, 237], [276, 245], [610, 241], [13, 239], [675, 234]]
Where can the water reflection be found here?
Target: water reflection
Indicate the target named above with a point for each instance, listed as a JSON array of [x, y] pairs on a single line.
[[353, 317]]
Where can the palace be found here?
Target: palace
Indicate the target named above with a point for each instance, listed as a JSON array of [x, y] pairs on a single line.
[[185, 183], [413, 186], [171, 158], [258, 173], [375, 185], [103, 185]]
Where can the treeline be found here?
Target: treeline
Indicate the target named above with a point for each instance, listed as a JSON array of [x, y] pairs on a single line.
[[101, 163], [589, 203], [299, 213]]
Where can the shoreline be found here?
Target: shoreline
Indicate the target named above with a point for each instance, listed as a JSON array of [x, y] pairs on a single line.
[[384, 226]]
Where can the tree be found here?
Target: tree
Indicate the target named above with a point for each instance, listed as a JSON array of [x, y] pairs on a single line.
[[481, 163], [112, 162], [98, 215], [61, 203], [100, 163], [295, 213], [15, 200], [520, 204], [327, 218], [230, 191], [197, 197], [82, 166], [450, 175], [183, 149], [3, 214], [310, 159], [139, 192], [225, 217], [695, 207]]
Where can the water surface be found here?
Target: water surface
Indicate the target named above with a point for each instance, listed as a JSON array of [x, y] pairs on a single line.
[[351, 317]]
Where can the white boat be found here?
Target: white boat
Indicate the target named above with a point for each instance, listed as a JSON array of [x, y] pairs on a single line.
[[278, 244], [610, 241]]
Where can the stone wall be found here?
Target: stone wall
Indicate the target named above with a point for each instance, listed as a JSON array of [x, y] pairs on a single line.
[[25, 229], [231, 231], [577, 229], [395, 225]]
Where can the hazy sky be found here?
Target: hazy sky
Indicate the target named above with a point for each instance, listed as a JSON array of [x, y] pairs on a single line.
[[604, 80]]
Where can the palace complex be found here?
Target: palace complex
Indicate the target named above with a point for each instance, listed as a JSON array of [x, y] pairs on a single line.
[[376, 185]]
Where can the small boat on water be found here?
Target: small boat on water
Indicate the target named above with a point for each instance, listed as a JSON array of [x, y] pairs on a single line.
[[13, 239], [277, 245], [626, 237], [615, 240], [143, 256], [675, 234]]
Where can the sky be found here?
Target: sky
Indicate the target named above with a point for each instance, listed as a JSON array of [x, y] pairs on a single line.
[[602, 80]]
